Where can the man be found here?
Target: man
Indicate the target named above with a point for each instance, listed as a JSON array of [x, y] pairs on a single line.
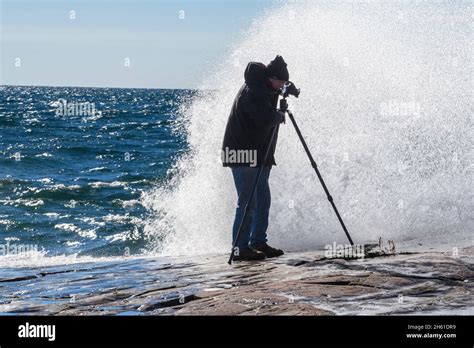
[[248, 131]]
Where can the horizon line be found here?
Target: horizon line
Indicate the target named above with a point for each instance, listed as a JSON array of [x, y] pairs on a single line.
[[163, 88]]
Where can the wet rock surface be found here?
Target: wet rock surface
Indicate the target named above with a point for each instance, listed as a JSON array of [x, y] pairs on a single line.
[[299, 283]]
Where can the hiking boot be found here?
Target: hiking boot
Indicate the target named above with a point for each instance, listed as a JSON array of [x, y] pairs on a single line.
[[267, 250], [248, 255]]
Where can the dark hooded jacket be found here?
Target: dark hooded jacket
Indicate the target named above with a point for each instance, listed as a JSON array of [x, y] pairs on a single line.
[[253, 117]]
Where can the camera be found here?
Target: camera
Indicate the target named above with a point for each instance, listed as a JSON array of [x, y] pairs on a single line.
[[288, 89]]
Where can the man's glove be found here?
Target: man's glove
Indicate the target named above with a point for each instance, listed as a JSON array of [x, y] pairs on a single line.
[[281, 115]]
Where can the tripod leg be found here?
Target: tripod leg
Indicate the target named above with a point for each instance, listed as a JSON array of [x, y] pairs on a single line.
[[314, 165]]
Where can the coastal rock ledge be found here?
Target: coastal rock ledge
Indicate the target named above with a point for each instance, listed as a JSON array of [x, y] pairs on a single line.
[[299, 283]]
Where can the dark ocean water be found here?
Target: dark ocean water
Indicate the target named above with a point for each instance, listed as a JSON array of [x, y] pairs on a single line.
[[70, 182]]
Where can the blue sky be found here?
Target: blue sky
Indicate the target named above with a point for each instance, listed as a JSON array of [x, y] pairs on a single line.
[[42, 45]]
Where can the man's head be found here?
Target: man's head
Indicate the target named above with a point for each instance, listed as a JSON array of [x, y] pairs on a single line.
[[277, 72]]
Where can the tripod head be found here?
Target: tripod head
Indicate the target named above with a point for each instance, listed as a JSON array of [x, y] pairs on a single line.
[[283, 105]]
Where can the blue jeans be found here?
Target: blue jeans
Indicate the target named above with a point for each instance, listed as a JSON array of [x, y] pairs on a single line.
[[254, 230]]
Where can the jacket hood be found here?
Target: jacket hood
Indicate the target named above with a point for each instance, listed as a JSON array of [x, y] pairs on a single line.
[[256, 73]]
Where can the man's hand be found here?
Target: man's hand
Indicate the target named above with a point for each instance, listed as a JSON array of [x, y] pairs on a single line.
[[281, 115]]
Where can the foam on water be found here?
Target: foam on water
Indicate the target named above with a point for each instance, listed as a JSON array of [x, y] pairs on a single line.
[[385, 108], [40, 258]]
